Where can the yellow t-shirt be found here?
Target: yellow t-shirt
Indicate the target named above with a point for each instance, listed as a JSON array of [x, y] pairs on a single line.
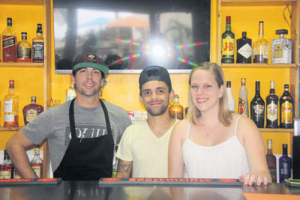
[[148, 152]]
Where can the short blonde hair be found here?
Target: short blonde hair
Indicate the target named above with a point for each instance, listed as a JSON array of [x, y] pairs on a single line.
[[194, 113]]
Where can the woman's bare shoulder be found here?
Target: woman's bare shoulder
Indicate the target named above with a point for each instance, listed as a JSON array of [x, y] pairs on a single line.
[[246, 125], [181, 126]]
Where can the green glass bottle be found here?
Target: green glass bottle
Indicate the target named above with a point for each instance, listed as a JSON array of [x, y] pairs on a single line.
[[228, 43]]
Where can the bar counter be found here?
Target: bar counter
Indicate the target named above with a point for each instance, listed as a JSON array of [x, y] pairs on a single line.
[[92, 190]]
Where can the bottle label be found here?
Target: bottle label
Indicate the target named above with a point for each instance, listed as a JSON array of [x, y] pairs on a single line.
[[9, 49], [266, 52], [284, 169], [258, 109], [272, 112], [278, 51], [37, 168], [9, 118], [287, 113], [37, 51], [228, 46], [243, 107], [8, 106], [6, 174], [245, 51], [24, 53], [31, 114]]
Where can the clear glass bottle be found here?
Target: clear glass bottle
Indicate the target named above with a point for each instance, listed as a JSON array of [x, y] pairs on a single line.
[[11, 107], [7, 167], [38, 46], [176, 110], [9, 40], [258, 107], [286, 109], [70, 93], [281, 48], [272, 107], [24, 49], [243, 99], [271, 161], [243, 49], [32, 110], [231, 102], [285, 164], [261, 47], [37, 162], [228, 43]]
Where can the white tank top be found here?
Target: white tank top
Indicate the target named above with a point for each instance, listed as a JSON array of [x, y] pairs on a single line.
[[225, 160]]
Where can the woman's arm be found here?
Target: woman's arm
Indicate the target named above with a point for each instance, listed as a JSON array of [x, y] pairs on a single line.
[[175, 159], [254, 145]]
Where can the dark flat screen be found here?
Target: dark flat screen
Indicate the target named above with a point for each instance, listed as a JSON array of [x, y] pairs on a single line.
[[129, 35]]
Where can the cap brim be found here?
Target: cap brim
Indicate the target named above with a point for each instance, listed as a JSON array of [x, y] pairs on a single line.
[[100, 67]]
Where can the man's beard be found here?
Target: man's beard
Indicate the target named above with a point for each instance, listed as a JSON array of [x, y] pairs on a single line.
[[161, 111]]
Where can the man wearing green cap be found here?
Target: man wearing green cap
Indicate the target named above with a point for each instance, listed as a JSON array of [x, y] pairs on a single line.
[[81, 133]]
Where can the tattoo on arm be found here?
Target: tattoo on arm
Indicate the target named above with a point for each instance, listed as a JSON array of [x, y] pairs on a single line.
[[124, 168]]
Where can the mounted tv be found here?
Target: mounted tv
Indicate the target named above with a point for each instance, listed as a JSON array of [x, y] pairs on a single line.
[[133, 34]]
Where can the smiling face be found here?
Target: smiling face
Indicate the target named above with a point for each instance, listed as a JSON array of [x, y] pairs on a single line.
[[205, 91], [155, 96], [88, 82]]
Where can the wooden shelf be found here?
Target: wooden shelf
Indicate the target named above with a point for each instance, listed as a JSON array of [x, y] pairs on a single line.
[[279, 130], [259, 66], [6, 129], [22, 2], [256, 2], [26, 65]]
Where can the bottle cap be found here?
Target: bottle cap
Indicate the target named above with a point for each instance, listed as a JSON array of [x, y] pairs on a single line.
[[228, 19], [33, 99], [282, 32], [244, 34], [228, 83], [286, 86], [272, 84]]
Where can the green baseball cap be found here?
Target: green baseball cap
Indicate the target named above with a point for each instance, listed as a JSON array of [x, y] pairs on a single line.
[[89, 60]]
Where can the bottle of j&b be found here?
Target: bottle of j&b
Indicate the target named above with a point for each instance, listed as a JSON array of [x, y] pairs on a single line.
[[9, 40], [243, 99], [11, 107], [271, 161], [31, 111], [176, 110], [272, 107], [258, 107], [231, 102], [37, 162], [228, 43], [285, 164], [286, 109], [24, 49], [261, 47], [244, 50], [38, 46]]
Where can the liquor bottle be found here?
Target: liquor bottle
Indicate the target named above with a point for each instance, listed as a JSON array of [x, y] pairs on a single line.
[[24, 49], [272, 107], [16, 174], [9, 43], [7, 167], [244, 49], [38, 46], [1, 168], [228, 43], [261, 47], [258, 107], [281, 48], [286, 109], [70, 93], [243, 99], [271, 161], [176, 110], [285, 164], [11, 107], [37, 162], [231, 102], [31, 111]]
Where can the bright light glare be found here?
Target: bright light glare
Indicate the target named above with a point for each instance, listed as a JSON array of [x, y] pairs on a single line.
[[158, 51]]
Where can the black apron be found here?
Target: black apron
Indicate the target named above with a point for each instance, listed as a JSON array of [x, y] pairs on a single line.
[[87, 158]]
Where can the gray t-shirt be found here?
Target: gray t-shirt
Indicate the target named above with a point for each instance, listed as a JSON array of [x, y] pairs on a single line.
[[54, 126]]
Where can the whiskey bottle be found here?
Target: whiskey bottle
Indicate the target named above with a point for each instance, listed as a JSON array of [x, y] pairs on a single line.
[[176, 110], [281, 48], [24, 49], [231, 102], [285, 164], [1, 168], [9, 43], [272, 107], [38, 46], [228, 43], [37, 162], [11, 107], [271, 161], [71, 93], [243, 99], [31, 111], [258, 107], [244, 49], [261, 47], [286, 109], [7, 167]]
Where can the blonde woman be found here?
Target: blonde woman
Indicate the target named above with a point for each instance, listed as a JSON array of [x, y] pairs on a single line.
[[213, 142]]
